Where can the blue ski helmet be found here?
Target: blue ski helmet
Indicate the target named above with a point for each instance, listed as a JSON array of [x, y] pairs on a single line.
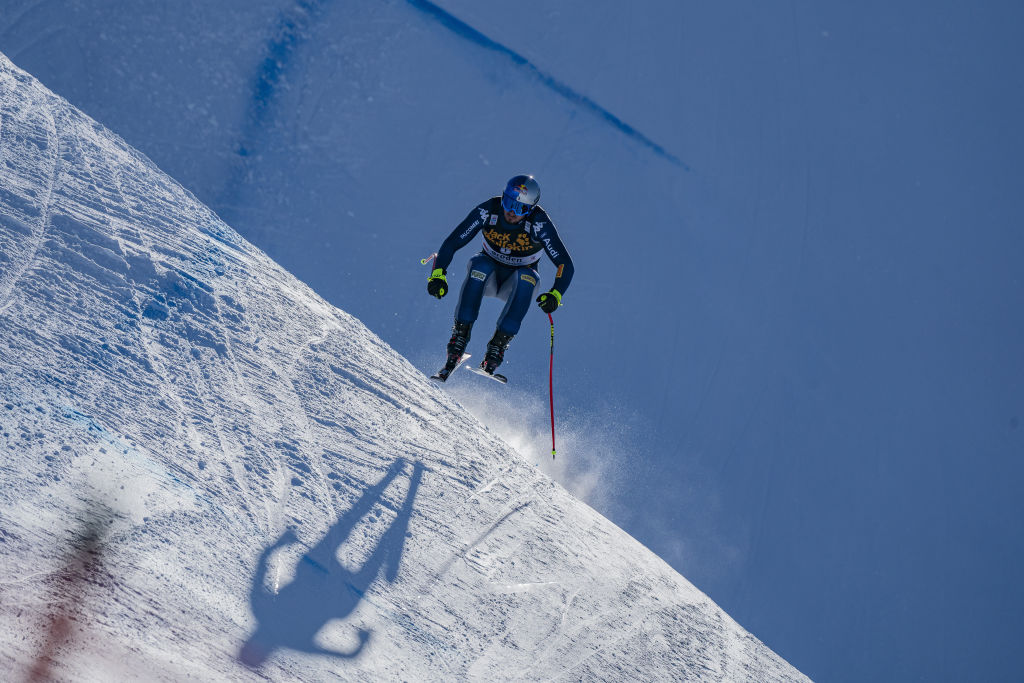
[[521, 195]]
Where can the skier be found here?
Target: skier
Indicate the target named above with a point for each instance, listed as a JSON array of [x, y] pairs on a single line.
[[515, 231]]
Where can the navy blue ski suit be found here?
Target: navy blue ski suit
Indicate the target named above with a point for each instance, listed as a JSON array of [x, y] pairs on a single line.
[[507, 266]]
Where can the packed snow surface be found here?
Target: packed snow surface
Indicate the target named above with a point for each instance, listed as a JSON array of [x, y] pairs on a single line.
[[210, 472]]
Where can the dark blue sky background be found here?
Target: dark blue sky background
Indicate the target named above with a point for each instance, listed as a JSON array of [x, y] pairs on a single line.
[[792, 353]]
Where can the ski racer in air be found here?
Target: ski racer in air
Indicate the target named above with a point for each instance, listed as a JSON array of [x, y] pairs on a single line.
[[515, 231]]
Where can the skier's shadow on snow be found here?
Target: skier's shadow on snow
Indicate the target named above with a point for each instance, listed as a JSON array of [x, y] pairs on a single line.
[[323, 590]]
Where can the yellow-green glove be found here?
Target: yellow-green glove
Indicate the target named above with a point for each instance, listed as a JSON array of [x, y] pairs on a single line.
[[437, 285], [549, 301]]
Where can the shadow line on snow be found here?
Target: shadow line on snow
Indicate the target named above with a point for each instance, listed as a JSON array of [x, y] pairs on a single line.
[[477, 541], [323, 590], [287, 36], [464, 30]]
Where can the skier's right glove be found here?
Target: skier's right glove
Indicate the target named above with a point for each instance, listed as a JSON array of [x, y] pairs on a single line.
[[437, 285], [550, 301]]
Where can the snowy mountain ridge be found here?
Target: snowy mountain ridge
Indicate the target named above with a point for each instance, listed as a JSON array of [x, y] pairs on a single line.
[[254, 481]]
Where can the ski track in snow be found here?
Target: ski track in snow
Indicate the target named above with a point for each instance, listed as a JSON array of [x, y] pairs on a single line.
[[12, 273], [268, 462]]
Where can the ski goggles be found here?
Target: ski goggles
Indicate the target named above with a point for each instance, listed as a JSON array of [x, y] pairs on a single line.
[[513, 205]]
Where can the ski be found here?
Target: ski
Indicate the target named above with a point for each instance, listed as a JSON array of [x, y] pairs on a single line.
[[442, 374], [496, 377]]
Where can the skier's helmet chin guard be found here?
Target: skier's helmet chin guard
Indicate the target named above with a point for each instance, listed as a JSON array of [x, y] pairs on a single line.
[[521, 195]]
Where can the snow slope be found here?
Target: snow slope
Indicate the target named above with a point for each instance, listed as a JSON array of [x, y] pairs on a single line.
[[208, 468]]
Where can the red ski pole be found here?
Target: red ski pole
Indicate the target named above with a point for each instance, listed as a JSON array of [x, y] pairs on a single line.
[[551, 385]]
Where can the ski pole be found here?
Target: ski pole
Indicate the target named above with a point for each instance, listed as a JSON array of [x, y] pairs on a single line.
[[423, 261], [551, 385]]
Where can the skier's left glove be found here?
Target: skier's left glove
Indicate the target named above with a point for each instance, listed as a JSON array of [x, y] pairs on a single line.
[[437, 285], [549, 301]]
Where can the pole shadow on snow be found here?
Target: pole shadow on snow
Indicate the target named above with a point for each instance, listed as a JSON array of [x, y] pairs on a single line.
[[323, 590]]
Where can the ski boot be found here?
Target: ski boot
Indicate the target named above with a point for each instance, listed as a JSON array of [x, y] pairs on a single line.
[[495, 351], [456, 349]]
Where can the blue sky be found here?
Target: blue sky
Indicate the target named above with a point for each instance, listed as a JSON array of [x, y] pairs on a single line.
[[792, 345]]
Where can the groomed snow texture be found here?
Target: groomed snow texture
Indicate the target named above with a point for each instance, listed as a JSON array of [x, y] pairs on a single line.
[[209, 472]]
